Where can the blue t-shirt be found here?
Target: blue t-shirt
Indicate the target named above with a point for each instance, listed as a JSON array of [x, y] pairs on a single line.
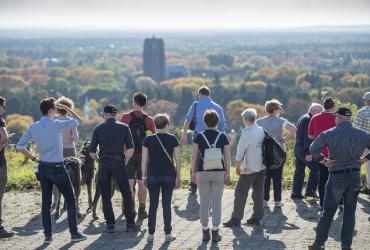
[[211, 136], [159, 164]]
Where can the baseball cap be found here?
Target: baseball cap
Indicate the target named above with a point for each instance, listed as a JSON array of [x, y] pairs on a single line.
[[366, 96], [109, 109], [344, 111]]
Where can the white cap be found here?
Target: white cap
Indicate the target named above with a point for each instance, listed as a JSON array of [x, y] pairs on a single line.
[[316, 106]]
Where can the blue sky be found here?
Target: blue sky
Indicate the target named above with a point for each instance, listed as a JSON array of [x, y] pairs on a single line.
[[181, 14]]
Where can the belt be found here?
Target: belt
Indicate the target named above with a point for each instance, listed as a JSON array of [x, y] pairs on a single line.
[[345, 171], [52, 164]]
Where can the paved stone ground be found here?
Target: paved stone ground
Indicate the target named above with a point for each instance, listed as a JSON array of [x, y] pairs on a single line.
[[291, 227]]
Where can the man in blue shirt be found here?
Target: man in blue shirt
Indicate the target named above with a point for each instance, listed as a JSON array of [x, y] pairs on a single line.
[[47, 135], [195, 115]]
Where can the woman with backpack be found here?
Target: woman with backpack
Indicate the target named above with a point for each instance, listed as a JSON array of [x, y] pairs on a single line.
[[210, 171], [159, 172]]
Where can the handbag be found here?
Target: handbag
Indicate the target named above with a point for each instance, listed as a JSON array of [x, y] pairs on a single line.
[[193, 122], [213, 156]]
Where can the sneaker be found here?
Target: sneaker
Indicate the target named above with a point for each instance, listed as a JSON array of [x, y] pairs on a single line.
[[278, 204], [109, 229], [265, 203], [365, 191], [296, 196], [48, 240], [253, 222], [233, 222], [170, 237], [78, 237], [5, 234], [215, 236], [341, 208], [132, 228], [150, 238], [311, 195], [315, 246], [142, 214], [206, 235]]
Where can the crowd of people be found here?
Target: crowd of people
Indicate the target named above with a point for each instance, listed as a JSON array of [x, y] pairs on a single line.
[[139, 151]]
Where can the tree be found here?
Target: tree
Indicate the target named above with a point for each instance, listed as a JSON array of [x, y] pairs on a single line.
[[17, 124]]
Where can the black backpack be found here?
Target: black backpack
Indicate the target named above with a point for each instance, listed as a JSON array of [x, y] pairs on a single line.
[[138, 128], [273, 154]]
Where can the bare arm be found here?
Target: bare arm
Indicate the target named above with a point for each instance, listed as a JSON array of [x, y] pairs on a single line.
[[72, 113], [144, 161], [292, 129], [178, 162], [227, 159], [128, 154], [4, 137], [28, 155], [194, 158], [184, 136], [94, 156]]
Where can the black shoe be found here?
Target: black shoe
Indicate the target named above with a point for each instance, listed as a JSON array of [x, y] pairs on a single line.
[[48, 240], [346, 248], [206, 235], [315, 246], [142, 214], [311, 195], [215, 236], [5, 234], [78, 237], [133, 228], [233, 222], [253, 222], [296, 197], [109, 229], [365, 191]]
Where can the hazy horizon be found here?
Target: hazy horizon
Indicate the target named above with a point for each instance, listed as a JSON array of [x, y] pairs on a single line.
[[181, 15]]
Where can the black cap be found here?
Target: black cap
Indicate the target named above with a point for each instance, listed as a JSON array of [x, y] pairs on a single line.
[[344, 111], [109, 109]]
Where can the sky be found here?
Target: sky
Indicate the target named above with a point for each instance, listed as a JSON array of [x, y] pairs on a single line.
[[181, 14]]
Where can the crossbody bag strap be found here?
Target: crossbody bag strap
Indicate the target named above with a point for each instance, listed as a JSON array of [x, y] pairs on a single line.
[[164, 149]]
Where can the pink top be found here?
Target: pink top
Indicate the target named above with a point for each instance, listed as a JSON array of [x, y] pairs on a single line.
[[70, 135]]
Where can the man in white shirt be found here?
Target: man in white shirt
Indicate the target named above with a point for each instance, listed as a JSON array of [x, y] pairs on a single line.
[[250, 168]]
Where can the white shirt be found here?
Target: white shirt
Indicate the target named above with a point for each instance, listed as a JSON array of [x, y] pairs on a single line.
[[249, 149]]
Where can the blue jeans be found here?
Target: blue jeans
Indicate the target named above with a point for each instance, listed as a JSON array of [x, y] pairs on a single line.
[[155, 185], [340, 186], [50, 174], [114, 168], [299, 174]]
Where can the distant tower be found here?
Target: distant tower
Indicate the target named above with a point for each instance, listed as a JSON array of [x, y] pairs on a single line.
[[154, 59]]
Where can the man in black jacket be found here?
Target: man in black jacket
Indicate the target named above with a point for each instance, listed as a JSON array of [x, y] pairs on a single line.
[[301, 152]]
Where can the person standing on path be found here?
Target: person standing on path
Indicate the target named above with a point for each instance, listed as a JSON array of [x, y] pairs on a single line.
[[318, 124], [3, 165], [112, 137], [251, 171], [301, 150], [141, 125], [47, 135], [275, 125], [160, 174], [345, 145], [195, 117], [362, 121]]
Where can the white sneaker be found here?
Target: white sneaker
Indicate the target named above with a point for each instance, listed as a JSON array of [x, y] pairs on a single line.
[[150, 238], [278, 204], [265, 203], [170, 237]]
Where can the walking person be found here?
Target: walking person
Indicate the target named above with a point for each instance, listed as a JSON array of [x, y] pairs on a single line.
[[194, 119], [3, 165], [275, 125], [160, 173], [301, 151], [141, 125], [112, 137], [362, 121], [210, 171], [318, 124], [47, 135], [346, 145], [251, 171]]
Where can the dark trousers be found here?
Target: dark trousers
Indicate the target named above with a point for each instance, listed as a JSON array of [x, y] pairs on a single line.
[[114, 168], [323, 178], [276, 176], [340, 186], [50, 174], [166, 184], [299, 174]]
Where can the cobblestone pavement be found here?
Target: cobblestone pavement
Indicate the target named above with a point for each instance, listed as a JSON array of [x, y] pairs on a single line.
[[291, 227]]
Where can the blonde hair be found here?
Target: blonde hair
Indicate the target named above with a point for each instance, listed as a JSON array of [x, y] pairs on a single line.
[[65, 101], [272, 105], [161, 120]]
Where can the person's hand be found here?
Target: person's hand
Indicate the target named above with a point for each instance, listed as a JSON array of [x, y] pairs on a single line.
[[178, 182], [227, 179], [184, 140], [61, 106], [194, 178], [282, 140], [238, 170], [308, 158], [329, 163]]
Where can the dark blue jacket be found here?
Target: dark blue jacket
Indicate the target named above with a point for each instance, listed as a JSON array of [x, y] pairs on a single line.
[[302, 145]]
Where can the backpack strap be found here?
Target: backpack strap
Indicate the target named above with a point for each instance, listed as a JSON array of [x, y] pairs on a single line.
[[218, 137], [214, 144], [205, 138], [164, 149]]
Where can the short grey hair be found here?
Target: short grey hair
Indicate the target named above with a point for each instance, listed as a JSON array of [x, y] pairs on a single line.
[[316, 106], [249, 114]]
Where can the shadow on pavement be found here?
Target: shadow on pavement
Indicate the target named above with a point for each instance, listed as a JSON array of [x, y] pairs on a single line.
[[191, 212]]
